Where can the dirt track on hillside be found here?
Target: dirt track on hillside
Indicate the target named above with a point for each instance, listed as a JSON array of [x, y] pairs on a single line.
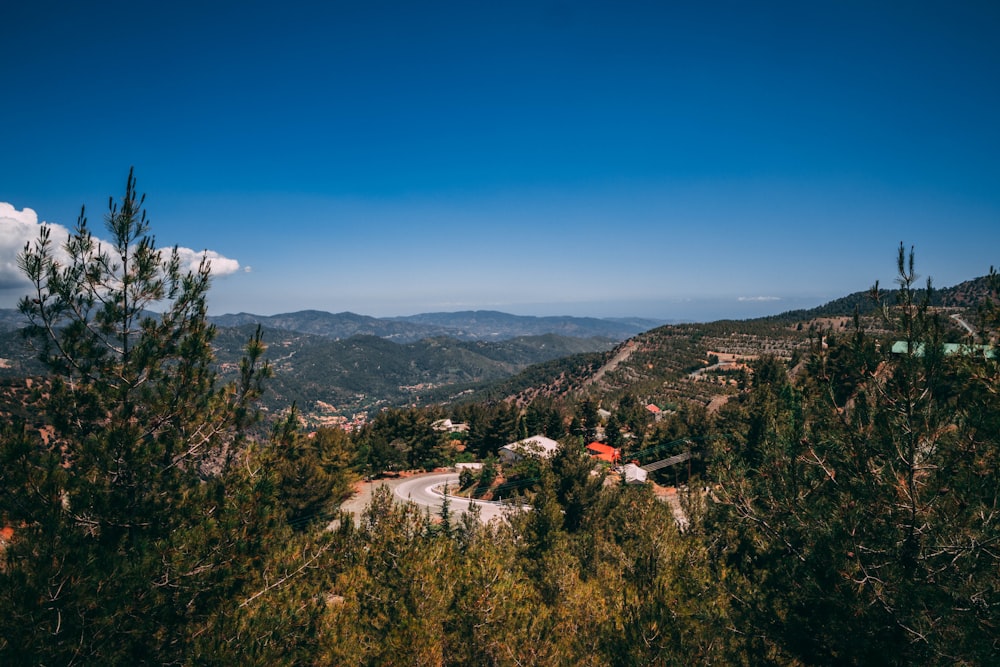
[[623, 354]]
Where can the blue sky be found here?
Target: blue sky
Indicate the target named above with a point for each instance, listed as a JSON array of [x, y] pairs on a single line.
[[586, 158]]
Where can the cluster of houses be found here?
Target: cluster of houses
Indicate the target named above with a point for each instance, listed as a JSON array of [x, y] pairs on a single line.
[[539, 445]]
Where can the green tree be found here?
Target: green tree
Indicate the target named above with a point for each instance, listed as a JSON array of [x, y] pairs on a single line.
[[633, 417], [314, 471], [576, 484], [851, 518], [401, 439], [396, 593], [613, 433], [113, 506], [491, 426], [589, 419], [487, 475], [543, 418]]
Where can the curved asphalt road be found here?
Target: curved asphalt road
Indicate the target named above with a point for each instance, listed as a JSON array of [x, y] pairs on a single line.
[[428, 491]]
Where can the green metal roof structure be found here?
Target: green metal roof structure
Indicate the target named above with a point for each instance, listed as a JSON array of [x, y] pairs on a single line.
[[901, 347]]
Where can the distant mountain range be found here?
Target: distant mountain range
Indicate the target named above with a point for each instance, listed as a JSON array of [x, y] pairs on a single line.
[[470, 325]]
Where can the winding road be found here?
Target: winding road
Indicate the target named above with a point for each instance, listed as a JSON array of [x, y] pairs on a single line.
[[428, 491], [425, 490]]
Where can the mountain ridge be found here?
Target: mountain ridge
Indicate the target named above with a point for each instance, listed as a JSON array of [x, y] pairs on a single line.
[[469, 325]]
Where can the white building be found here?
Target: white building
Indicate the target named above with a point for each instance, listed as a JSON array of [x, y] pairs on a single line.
[[448, 426], [634, 474], [536, 445]]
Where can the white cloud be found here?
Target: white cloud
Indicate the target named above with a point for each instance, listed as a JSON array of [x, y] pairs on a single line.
[[20, 227], [759, 298], [16, 229], [221, 266]]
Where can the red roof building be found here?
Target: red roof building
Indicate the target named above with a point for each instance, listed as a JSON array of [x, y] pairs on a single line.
[[599, 450]]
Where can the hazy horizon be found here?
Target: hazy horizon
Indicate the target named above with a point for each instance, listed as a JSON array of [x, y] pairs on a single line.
[[684, 310], [703, 310]]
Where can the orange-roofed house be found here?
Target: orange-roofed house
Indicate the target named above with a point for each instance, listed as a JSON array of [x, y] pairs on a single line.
[[599, 450], [653, 409]]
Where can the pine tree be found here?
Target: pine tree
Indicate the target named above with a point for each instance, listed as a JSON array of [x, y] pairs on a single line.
[[312, 477], [112, 507]]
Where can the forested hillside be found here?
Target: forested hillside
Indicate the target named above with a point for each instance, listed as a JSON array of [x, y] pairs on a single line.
[[367, 372]]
